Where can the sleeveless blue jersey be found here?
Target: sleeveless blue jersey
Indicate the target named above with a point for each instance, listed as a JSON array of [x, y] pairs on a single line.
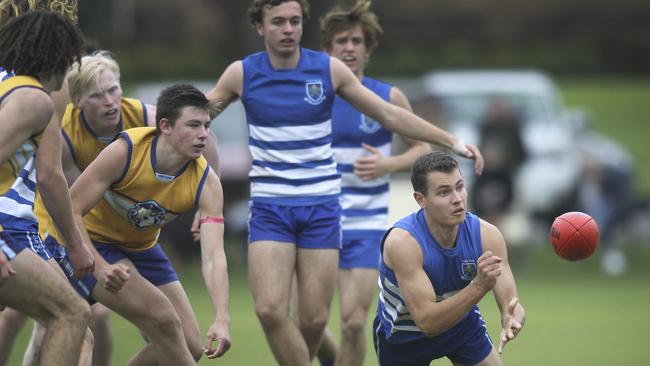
[[449, 270], [289, 115], [364, 203]]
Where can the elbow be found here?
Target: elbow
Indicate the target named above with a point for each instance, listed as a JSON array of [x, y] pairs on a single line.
[[48, 178], [429, 327]]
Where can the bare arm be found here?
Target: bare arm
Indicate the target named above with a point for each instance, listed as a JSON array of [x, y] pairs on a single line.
[[403, 254], [377, 164], [24, 113], [70, 168], [394, 118], [214, 266], [87, 191], [228, 88], [513, 314], [53, 188]]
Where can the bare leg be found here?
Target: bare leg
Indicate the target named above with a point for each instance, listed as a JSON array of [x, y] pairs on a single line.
[[144, 305], [11, 322], [316, 271], [40, 292], [492, 359], [328, 348], [271, 267], [100, 324], [357, 291], [176, 294], [33, 352]]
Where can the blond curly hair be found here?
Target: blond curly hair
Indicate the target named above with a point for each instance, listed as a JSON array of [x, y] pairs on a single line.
[[13, 8]]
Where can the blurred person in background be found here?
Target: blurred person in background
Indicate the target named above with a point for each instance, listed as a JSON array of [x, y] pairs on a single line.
[[502, 144], [362, 149], [294, 227], [606, 193], [436, 266]]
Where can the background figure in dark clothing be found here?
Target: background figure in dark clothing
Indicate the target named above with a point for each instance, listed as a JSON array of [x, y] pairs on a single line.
[[504, 151]]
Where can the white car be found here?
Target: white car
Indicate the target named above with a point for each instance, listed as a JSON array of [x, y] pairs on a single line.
[[551, 171]]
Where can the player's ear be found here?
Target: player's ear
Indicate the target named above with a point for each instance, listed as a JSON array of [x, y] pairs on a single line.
[[419, 198], [164, 125], [259, 27]]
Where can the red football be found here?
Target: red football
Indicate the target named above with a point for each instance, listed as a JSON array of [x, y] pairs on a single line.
[[574, 236]]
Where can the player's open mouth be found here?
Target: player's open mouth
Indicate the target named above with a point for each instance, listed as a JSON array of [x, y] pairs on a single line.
[[111, 112], [200, 146], [458, 211], [349, 58]]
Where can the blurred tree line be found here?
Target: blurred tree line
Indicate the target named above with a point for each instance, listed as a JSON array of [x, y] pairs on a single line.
[[198, 38]]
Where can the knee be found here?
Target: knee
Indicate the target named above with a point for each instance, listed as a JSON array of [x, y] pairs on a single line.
[[314, 324], [163, 321], [76, 311], [270, 316], [353, 327], [196, 350], [193, 341]]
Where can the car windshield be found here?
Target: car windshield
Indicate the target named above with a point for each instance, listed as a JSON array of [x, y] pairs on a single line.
[[471, 108]]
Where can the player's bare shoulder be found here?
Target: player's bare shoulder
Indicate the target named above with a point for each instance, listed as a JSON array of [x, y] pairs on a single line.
[[491, 238], [401, 248]]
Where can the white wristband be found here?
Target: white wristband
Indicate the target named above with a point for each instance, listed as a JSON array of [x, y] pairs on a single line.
[[460, 148]]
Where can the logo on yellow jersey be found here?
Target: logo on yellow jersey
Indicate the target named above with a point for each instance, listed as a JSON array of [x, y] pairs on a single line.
[[145, 214]]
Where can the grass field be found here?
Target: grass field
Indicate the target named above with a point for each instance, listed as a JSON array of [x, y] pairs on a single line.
[[576, 315]]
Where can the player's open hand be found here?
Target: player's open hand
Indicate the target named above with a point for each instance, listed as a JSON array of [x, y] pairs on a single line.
[[83, 263], [370, 167], [114, 276], [218, 342], [5, 268], [470, 151], [512, 320], [488, 270]]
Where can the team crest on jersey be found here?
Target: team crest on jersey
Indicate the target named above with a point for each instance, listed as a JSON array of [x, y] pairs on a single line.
[[368, 125], [145, 214], [468, 269], [314, 89]]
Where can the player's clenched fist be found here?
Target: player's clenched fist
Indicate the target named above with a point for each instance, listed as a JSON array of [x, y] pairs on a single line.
[[114, 276], [489, 269]]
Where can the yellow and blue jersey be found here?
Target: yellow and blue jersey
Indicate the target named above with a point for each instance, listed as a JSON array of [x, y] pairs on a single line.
[[142, 201], [18, 173], [85, 145]]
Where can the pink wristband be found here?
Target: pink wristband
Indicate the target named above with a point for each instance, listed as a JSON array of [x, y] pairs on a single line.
[[211, 220]]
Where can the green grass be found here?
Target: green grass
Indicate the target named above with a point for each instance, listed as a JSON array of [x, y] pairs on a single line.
[[576, 316]]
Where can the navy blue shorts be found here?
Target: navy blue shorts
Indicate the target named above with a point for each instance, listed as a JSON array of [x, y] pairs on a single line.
[[309, 227], [360, 252], [469, 344], [152, 263], [17, 241], [84, 286]]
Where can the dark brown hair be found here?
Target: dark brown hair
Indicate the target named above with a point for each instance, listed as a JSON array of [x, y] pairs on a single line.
[[340, 19], [256, 10]]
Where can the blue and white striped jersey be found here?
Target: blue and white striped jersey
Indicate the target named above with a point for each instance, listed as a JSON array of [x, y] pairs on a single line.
[[289, 115], [364, 203], [18, 172], [449, 271]]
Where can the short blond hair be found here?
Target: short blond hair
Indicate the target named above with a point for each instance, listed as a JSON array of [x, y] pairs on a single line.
[[15, 8], [83, 77]]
